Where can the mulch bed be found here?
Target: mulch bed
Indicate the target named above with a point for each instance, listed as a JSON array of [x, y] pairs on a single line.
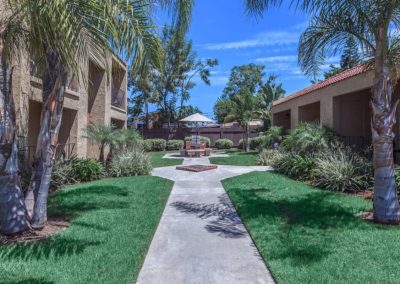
[[53, 226], [197, 168]]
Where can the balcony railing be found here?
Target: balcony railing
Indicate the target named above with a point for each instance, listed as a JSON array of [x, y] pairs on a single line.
[[118, 98]]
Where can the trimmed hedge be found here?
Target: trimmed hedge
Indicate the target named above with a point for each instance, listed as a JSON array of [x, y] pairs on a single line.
[[175, 144], [223, 144], [255, 143], [154, 145]]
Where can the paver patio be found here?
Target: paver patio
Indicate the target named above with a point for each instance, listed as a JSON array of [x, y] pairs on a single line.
[[200, 238]]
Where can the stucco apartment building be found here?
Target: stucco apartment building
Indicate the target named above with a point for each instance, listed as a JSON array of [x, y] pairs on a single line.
[[102, 101], [341, 102]]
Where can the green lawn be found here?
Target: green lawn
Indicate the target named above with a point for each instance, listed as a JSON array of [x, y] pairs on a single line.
[[307, 235], [112, 224], [157, 161], [236, 158]]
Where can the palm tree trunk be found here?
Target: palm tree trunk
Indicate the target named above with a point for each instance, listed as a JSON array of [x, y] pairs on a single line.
[[146, 109], [247, 128], [54, 83], [13, 214], [386, 204]]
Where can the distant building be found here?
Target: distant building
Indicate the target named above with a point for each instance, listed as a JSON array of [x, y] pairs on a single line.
[[341, 102]]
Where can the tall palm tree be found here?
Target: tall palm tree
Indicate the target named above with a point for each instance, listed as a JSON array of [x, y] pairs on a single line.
[[65, 33], [244, 109], [13, 214], [270, 92], [371, 23], [79, 31]]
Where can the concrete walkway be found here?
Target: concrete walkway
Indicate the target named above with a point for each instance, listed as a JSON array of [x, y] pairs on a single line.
[[200, 238]]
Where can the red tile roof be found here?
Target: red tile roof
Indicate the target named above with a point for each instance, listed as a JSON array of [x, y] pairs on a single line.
[[331, 80]]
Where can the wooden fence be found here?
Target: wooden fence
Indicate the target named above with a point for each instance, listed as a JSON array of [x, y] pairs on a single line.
[[214, 133]]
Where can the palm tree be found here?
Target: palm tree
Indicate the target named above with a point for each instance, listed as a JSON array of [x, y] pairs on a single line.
[[244, 110], [13, 214], [270, 92], [102, 135], [370, 22], [82, 30]]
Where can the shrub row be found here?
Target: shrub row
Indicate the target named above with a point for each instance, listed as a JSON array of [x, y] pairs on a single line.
[[75, 170], [315, 154], [223, 144]]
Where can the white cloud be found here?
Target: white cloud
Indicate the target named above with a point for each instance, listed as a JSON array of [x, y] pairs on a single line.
[[272, 38], [281, 58]]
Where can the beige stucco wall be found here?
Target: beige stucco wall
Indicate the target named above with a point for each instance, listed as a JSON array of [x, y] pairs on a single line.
[[325, 96], [27, 92]]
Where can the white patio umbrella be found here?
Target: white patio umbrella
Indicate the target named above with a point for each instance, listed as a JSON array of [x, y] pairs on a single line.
[[196, 119]]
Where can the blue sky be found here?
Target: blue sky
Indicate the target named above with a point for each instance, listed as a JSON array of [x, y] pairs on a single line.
[[220, 29]]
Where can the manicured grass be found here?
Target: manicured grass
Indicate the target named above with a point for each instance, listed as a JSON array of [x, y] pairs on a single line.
[[157, 160], [112, 224], [236, 158], [307, 235]]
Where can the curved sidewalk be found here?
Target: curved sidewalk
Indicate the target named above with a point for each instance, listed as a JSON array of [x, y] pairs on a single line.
[[200, 238]]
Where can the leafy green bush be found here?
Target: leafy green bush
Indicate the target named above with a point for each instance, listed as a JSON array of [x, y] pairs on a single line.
[[63, 173], [73, 170], [223, 144], [342, 170], [268, 157], [130, 163], [87, 170], [154, 144], [273, 135], [309, 138], [175, 144], [202, 139], [295, 166], [256, 142]]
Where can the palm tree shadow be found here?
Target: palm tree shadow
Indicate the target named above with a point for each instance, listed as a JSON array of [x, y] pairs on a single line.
[[73, 202], [50, 248], [30, 281], [223, 218], [305, 222]]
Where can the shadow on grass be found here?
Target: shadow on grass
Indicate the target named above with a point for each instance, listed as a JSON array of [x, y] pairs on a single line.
[[224, 220], [73, 202], [70, 203], [303, 226], [50, 248], [30, 281]]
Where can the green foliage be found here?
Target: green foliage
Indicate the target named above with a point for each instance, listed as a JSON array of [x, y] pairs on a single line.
[[268, 157], [154, 144], [295, 166], [175, 144], [309, 138], [86, 170], [342, 170], [63, 173], [132, 162], [127, 138], [73, 170], [203, 139], [256, 143], [223, 144], [269, 92], [273, 135]]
